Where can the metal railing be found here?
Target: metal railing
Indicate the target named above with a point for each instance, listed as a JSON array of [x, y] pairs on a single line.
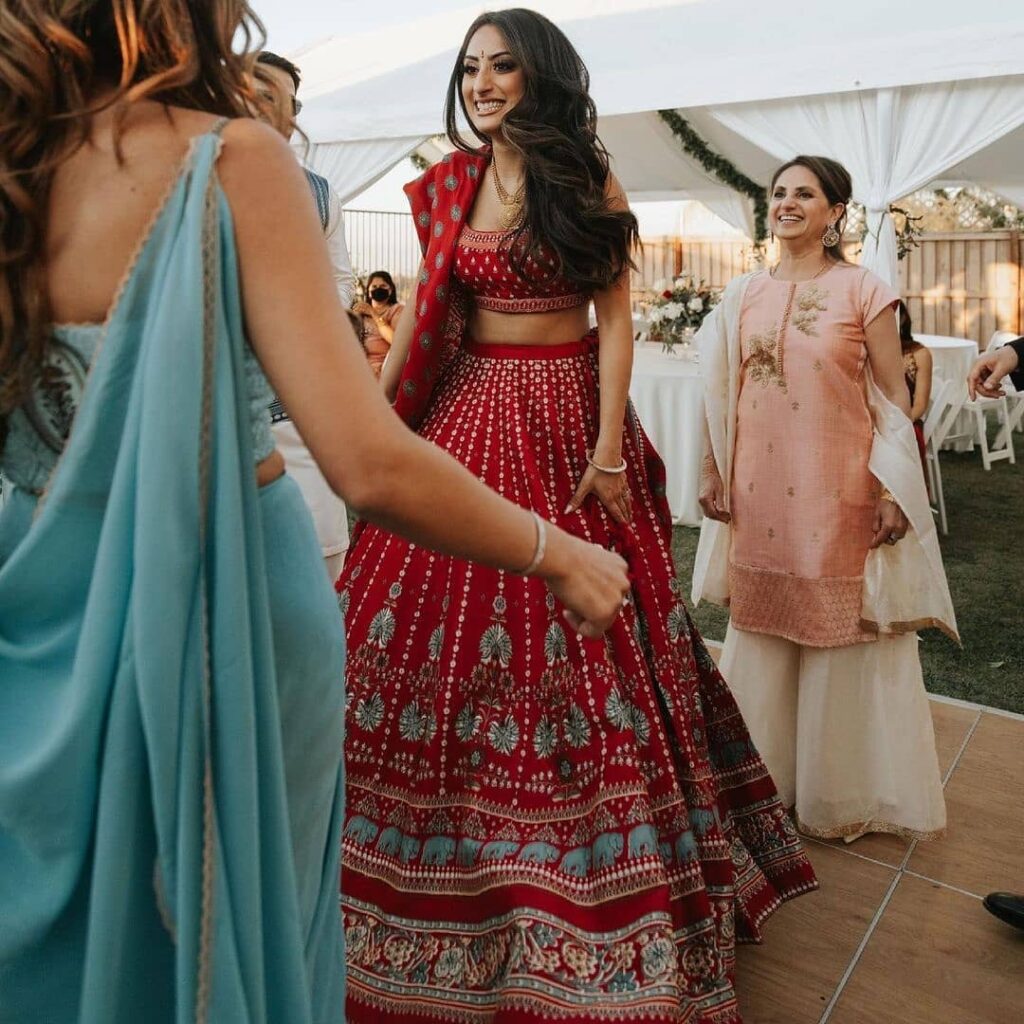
[[380, 240]]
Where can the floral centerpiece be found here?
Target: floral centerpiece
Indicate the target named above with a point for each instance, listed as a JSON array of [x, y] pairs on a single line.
[[678, 310]]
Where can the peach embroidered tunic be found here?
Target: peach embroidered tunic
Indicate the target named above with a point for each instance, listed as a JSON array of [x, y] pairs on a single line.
[[803, 498]]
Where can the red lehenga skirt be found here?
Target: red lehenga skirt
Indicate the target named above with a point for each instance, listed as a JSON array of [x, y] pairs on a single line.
[[541, 827]]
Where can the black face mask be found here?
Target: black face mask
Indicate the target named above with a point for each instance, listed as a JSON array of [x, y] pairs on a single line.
[[380, 294]]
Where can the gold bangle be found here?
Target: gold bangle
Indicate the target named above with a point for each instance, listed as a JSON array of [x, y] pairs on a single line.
[[887, 495], [614, 470]]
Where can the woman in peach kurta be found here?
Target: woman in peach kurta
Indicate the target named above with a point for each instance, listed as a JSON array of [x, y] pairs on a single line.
[[803, 497], [826, 572]]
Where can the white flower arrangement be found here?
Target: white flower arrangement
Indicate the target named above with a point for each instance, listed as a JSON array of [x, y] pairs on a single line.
[[678, 309]]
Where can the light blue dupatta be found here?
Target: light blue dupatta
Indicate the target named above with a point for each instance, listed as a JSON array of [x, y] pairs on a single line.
[[146, 865]]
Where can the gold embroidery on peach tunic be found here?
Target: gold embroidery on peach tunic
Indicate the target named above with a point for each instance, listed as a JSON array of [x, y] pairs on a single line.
[[803, 498]]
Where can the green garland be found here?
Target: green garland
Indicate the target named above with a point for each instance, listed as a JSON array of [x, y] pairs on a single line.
[[724, 170]]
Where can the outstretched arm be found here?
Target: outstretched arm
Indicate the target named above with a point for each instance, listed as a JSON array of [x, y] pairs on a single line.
[[987, 373], [367, 455]]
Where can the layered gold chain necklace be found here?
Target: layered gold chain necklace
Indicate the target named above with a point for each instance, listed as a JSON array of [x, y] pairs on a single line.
[[788, 311], [511, 203]]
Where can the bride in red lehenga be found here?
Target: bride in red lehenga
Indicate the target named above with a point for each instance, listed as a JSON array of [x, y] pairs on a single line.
[[540, 827]]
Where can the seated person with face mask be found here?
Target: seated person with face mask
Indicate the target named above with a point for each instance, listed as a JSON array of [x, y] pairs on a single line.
[[379, 318]]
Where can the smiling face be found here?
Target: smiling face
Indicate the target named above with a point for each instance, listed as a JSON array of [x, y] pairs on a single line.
[[493, 81], [798, 209]]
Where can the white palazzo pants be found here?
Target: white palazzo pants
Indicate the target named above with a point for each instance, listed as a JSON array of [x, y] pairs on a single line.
[[846, 732]]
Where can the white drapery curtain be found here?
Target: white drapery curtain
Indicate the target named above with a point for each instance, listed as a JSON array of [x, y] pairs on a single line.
[[892, 141], [352, 167], [652, 166], [735, 209]]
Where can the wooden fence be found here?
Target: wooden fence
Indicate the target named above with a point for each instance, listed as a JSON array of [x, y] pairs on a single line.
[[962, 285], [966, 285], [714, 261]]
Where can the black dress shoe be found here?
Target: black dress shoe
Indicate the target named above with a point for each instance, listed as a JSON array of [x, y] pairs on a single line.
[[1007, 907]]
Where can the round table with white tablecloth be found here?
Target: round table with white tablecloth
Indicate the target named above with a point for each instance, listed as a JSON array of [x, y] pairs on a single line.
[[952, 359], [668, 395]]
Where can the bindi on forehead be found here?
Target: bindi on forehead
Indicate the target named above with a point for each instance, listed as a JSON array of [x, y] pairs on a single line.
[[483, 56]]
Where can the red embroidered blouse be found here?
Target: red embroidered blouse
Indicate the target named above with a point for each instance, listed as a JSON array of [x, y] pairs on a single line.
[[482, 265]]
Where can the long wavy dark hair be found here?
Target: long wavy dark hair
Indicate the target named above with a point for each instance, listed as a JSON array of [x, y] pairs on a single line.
[[835, 182], [567, 214], [56, 58]]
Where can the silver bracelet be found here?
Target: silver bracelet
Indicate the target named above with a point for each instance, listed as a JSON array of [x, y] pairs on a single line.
[[621, 468], [538, 551]]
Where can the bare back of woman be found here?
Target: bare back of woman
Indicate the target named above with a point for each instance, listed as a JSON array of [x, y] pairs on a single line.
[[103, 201], [101, 206]]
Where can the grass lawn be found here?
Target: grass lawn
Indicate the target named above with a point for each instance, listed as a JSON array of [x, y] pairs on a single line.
[[984, 555]]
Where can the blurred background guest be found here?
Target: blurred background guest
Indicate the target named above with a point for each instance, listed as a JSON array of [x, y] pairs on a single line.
[[277, 80], [379, 312]]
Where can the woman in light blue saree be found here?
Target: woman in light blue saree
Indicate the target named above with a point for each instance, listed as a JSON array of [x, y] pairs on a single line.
[[171, 653]]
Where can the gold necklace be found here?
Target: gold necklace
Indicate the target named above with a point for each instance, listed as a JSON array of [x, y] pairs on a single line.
[[788, 312], [821, 270], [511, 204]]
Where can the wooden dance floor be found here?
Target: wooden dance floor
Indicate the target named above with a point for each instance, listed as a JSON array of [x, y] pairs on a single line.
[[897, 933]]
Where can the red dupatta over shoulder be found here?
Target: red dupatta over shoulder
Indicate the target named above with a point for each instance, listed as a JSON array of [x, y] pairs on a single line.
[[441, 199]]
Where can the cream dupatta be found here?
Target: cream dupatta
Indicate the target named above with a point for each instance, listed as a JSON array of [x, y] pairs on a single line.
[[905, 587]]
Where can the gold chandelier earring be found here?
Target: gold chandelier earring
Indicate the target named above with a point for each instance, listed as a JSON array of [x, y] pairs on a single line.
[[830, 239]]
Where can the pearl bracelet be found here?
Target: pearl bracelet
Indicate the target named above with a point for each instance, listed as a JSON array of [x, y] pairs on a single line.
[[538, 551], [621, 468]]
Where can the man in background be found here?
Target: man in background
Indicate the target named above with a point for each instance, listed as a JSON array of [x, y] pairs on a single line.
[[986, 379], [278, 81]]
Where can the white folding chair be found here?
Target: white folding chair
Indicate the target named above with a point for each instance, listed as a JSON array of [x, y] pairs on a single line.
[[1002, 445], [937, 423], [977, 433]]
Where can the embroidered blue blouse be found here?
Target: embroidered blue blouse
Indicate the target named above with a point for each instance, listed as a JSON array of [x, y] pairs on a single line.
[[39, 429]]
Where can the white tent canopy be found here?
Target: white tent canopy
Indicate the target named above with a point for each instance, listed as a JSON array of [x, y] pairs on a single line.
[[903, 94]]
